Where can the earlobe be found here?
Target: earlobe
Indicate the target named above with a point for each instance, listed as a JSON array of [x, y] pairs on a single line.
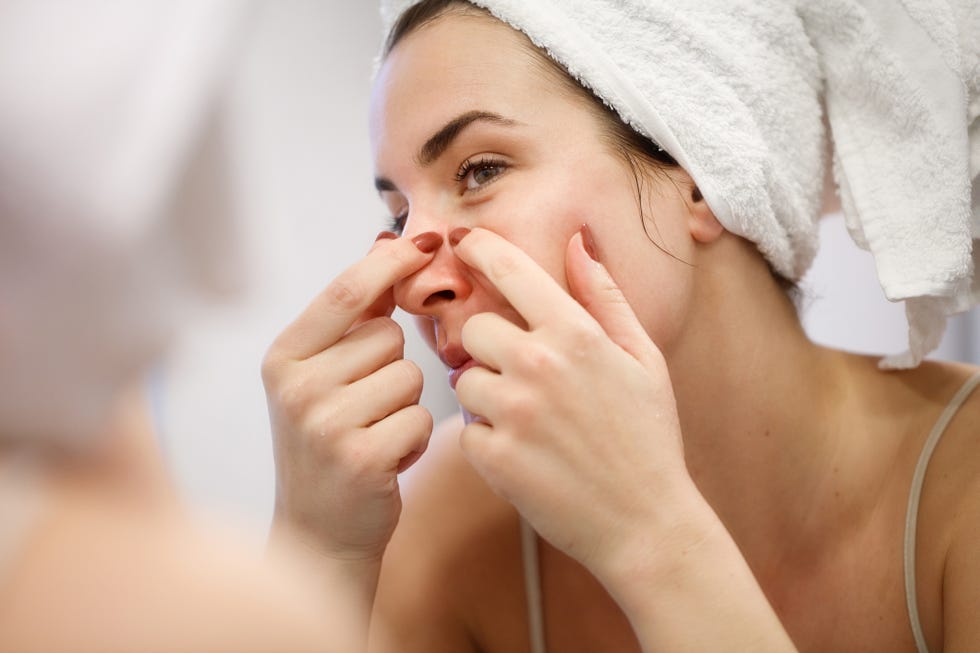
[[704, 226]]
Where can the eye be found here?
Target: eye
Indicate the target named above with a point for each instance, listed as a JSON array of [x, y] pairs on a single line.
[[396, 223], [477, 174]]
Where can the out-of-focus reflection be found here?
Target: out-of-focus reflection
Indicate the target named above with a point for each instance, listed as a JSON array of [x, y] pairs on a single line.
[[104, 108], [115, 219]]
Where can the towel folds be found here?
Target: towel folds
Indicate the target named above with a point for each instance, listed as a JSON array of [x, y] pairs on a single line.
[[749, 96]]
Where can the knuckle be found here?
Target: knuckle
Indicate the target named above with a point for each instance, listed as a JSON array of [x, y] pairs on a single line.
[[420, 419], [271, 369], [503, 265], [346, 294], [583, 339], [538, 358], [520, 407], [385, 332], [291, 399]]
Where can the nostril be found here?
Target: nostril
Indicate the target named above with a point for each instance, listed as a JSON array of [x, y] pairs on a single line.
[[442, 295]]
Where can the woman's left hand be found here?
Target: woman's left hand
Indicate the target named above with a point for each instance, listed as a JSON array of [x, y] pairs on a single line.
[[577, 424]]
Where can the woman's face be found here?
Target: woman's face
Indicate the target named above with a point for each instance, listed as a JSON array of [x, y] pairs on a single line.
[[469, 130]]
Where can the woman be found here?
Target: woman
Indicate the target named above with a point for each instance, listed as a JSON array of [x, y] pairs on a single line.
[[635, 381]]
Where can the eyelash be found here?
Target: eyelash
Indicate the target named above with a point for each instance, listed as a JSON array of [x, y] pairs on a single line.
[[484, 163], [396, 223]]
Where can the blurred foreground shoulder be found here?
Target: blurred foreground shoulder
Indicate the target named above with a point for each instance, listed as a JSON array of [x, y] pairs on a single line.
[[96, 580]]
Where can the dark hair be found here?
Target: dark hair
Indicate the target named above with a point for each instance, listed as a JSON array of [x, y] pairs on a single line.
[[640, 153], [627, 140]]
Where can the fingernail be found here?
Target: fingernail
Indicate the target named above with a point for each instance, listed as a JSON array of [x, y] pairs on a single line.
[[588, 242], [457, 235], [386, 235], [428, 242]]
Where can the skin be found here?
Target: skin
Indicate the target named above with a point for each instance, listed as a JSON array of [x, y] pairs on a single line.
[[647, 415], [113, 562]]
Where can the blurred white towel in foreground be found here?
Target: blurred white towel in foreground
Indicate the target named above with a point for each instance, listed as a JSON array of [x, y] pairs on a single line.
[[105, 110], [741, 94]]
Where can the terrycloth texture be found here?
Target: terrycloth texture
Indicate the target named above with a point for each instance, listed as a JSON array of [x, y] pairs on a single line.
[[902, 94], [741, 92], [102, 108]]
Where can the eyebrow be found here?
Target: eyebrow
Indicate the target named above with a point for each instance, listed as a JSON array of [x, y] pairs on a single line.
[[440, 141]]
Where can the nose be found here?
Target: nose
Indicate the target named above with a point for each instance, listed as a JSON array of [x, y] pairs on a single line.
[[443, 283]]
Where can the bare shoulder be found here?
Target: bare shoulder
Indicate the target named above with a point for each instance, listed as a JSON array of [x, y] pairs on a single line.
[[952, 481], [957, 479], [949, 516], [955, 466], [100, 580], [454, 556], [961, 577]]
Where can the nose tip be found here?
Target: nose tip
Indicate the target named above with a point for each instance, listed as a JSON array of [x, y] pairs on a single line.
[[438, 285]]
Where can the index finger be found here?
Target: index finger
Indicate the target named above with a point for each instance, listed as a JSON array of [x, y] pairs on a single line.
[[525, 284], [338, 306]]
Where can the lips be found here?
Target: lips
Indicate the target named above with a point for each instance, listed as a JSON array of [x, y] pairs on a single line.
[[456, 372], [457, 360]]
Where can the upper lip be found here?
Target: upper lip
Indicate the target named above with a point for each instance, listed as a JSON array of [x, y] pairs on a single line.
[[454, 356]]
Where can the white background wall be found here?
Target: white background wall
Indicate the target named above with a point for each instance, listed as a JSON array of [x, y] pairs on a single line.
[[299, 110]]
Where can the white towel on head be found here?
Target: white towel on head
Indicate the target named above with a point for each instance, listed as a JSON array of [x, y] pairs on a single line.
[[901, 77], [740, 92]]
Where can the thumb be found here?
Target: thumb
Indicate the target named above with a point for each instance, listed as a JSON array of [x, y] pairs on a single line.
[[591, 285]]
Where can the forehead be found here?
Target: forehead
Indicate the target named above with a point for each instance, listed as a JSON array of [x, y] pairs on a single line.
[[456, 63]]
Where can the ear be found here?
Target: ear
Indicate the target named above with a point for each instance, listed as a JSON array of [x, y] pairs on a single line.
[[702, 222]]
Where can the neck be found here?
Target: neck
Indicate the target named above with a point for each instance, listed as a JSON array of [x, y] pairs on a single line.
[[123, 464], [768, 423]]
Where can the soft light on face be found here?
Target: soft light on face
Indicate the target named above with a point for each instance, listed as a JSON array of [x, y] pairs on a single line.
[[469, 129]]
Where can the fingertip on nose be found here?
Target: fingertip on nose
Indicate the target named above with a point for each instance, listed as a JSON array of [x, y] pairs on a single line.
[[457, 235], [428, 242]]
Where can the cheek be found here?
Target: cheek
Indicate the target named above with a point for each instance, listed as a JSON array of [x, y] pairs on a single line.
[[540, 218], [658, 287]]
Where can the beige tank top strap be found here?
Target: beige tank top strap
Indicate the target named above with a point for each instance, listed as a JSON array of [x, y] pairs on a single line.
[[915, 494], [532, 587]]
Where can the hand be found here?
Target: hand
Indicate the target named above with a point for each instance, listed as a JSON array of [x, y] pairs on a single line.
[[577, 421], [343, 403]]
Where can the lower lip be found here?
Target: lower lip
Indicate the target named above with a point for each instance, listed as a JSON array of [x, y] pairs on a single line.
[[456, 372]]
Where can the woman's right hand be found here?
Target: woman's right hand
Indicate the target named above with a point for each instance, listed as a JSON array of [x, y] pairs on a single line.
[[343, 403]]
